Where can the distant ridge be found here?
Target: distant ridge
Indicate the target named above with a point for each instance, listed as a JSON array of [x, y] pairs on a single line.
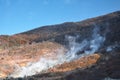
[[53, 32]]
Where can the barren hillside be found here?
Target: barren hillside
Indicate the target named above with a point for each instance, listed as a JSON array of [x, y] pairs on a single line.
[[85, 50]]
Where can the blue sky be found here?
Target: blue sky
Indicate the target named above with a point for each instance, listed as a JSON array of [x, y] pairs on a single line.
[[21, 15]]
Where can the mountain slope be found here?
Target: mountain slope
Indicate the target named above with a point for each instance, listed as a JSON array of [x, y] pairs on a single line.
[[98, 37], [58, 31], [48, 32]]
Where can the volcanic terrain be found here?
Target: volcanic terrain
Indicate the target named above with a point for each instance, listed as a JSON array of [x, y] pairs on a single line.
[[85, 50]]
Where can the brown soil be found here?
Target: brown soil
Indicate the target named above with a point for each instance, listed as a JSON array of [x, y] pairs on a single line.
[[21, 56], [83, 62]]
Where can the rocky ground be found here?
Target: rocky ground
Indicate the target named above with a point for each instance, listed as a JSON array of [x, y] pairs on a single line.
[[21, 56], [107, 67], [103, 63]]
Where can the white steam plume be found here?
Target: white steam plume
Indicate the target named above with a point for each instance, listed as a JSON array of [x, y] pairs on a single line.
[[86, 47], [37, 67]]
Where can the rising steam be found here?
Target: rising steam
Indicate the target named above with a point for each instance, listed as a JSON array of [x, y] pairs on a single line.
[[86, 46], [83, 48]]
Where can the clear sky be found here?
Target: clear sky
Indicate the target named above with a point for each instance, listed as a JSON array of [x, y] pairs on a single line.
[[21, 15]]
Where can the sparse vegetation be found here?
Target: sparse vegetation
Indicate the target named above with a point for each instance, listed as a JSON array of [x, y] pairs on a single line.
[[29, 46]]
